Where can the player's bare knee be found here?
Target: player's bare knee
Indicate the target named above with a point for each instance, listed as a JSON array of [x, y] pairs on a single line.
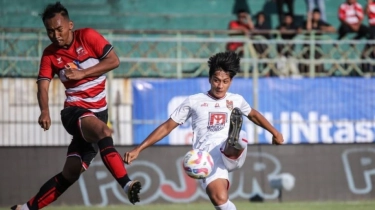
[[106, 132], [71, 175], [96, 135], [72, 168], [103, 132], [219, 198]]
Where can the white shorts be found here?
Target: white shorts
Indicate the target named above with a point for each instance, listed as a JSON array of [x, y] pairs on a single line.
[[222, 164]]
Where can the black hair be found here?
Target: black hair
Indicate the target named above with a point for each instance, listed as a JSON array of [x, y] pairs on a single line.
[[228, 62], [241, 11], [288, 14], [52, 9], [316, 10]]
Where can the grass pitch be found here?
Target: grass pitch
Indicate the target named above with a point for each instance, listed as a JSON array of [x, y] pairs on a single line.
[[365, 205]]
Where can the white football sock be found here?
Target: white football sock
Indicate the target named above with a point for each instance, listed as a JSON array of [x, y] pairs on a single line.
[[242, 141], [24, 207], [226, 206]]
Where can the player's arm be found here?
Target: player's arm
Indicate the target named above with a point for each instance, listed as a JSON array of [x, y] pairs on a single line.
[[106, 64], [261, 121], [42, 94], [158, 134], [102, 50], [309, 21], [44, 78], [328, 28]]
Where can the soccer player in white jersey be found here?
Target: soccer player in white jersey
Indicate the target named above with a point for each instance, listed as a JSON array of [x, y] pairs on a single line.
[[216, 122]]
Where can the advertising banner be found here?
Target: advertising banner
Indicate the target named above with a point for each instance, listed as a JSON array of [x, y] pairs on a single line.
[[305, 111], [336, 172]]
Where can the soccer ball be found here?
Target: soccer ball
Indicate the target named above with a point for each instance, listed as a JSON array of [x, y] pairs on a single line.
[[198, 164]]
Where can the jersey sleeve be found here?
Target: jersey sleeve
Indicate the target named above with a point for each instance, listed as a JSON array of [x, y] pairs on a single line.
[[245, 107], [45, 69], [98, 44], [182, 112]]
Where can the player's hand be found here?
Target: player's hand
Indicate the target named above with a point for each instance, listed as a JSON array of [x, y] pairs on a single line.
[[277, 139], [44, 120], [74, 74], [130, 156]]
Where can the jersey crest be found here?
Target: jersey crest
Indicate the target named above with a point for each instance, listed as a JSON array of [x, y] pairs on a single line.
[[230, 105]]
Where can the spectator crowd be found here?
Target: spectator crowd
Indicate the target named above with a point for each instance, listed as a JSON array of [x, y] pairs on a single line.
[[351, 15]]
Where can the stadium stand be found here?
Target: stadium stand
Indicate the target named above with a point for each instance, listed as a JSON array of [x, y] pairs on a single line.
[[128, 14], [175, 23]]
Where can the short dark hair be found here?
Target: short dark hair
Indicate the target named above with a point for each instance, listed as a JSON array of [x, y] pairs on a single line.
[[52, 9], [288, 14], [228, 62], [241, 11], [316, 10]]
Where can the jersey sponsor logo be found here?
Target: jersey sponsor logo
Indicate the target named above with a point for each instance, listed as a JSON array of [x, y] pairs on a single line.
[[204, 105], [81, 51], [216, 121], [217, 105], [230, 104]]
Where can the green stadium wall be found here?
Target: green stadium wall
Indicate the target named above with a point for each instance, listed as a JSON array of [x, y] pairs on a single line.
[[151, 14]]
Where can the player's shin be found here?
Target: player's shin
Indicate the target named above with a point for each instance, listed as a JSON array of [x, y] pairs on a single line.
[[113, 161], [49, 192]]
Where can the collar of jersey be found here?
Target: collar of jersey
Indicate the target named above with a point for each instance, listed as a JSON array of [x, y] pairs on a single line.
[[213, 97]]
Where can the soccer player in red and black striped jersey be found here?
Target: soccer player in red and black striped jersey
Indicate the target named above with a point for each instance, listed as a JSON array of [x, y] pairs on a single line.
[[80, 58]]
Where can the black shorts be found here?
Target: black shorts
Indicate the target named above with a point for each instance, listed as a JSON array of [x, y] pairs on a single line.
[[70, 118]]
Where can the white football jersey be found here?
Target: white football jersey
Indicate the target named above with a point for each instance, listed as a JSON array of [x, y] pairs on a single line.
[[210, 117]]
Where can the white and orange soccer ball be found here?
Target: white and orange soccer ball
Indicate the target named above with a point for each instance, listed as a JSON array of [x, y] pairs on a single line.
[[198, 164]]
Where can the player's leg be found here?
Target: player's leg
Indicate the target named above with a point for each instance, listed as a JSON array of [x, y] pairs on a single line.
[[55, 186], [95, 130], [216, 184], [73, 167], [234, 156], [235, 147], [217, 191]]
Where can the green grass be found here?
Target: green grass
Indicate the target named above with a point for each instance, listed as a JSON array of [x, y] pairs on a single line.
[[363, 205]]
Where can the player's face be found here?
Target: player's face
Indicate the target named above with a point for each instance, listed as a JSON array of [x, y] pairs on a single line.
[[220, 83], [59, 30]]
